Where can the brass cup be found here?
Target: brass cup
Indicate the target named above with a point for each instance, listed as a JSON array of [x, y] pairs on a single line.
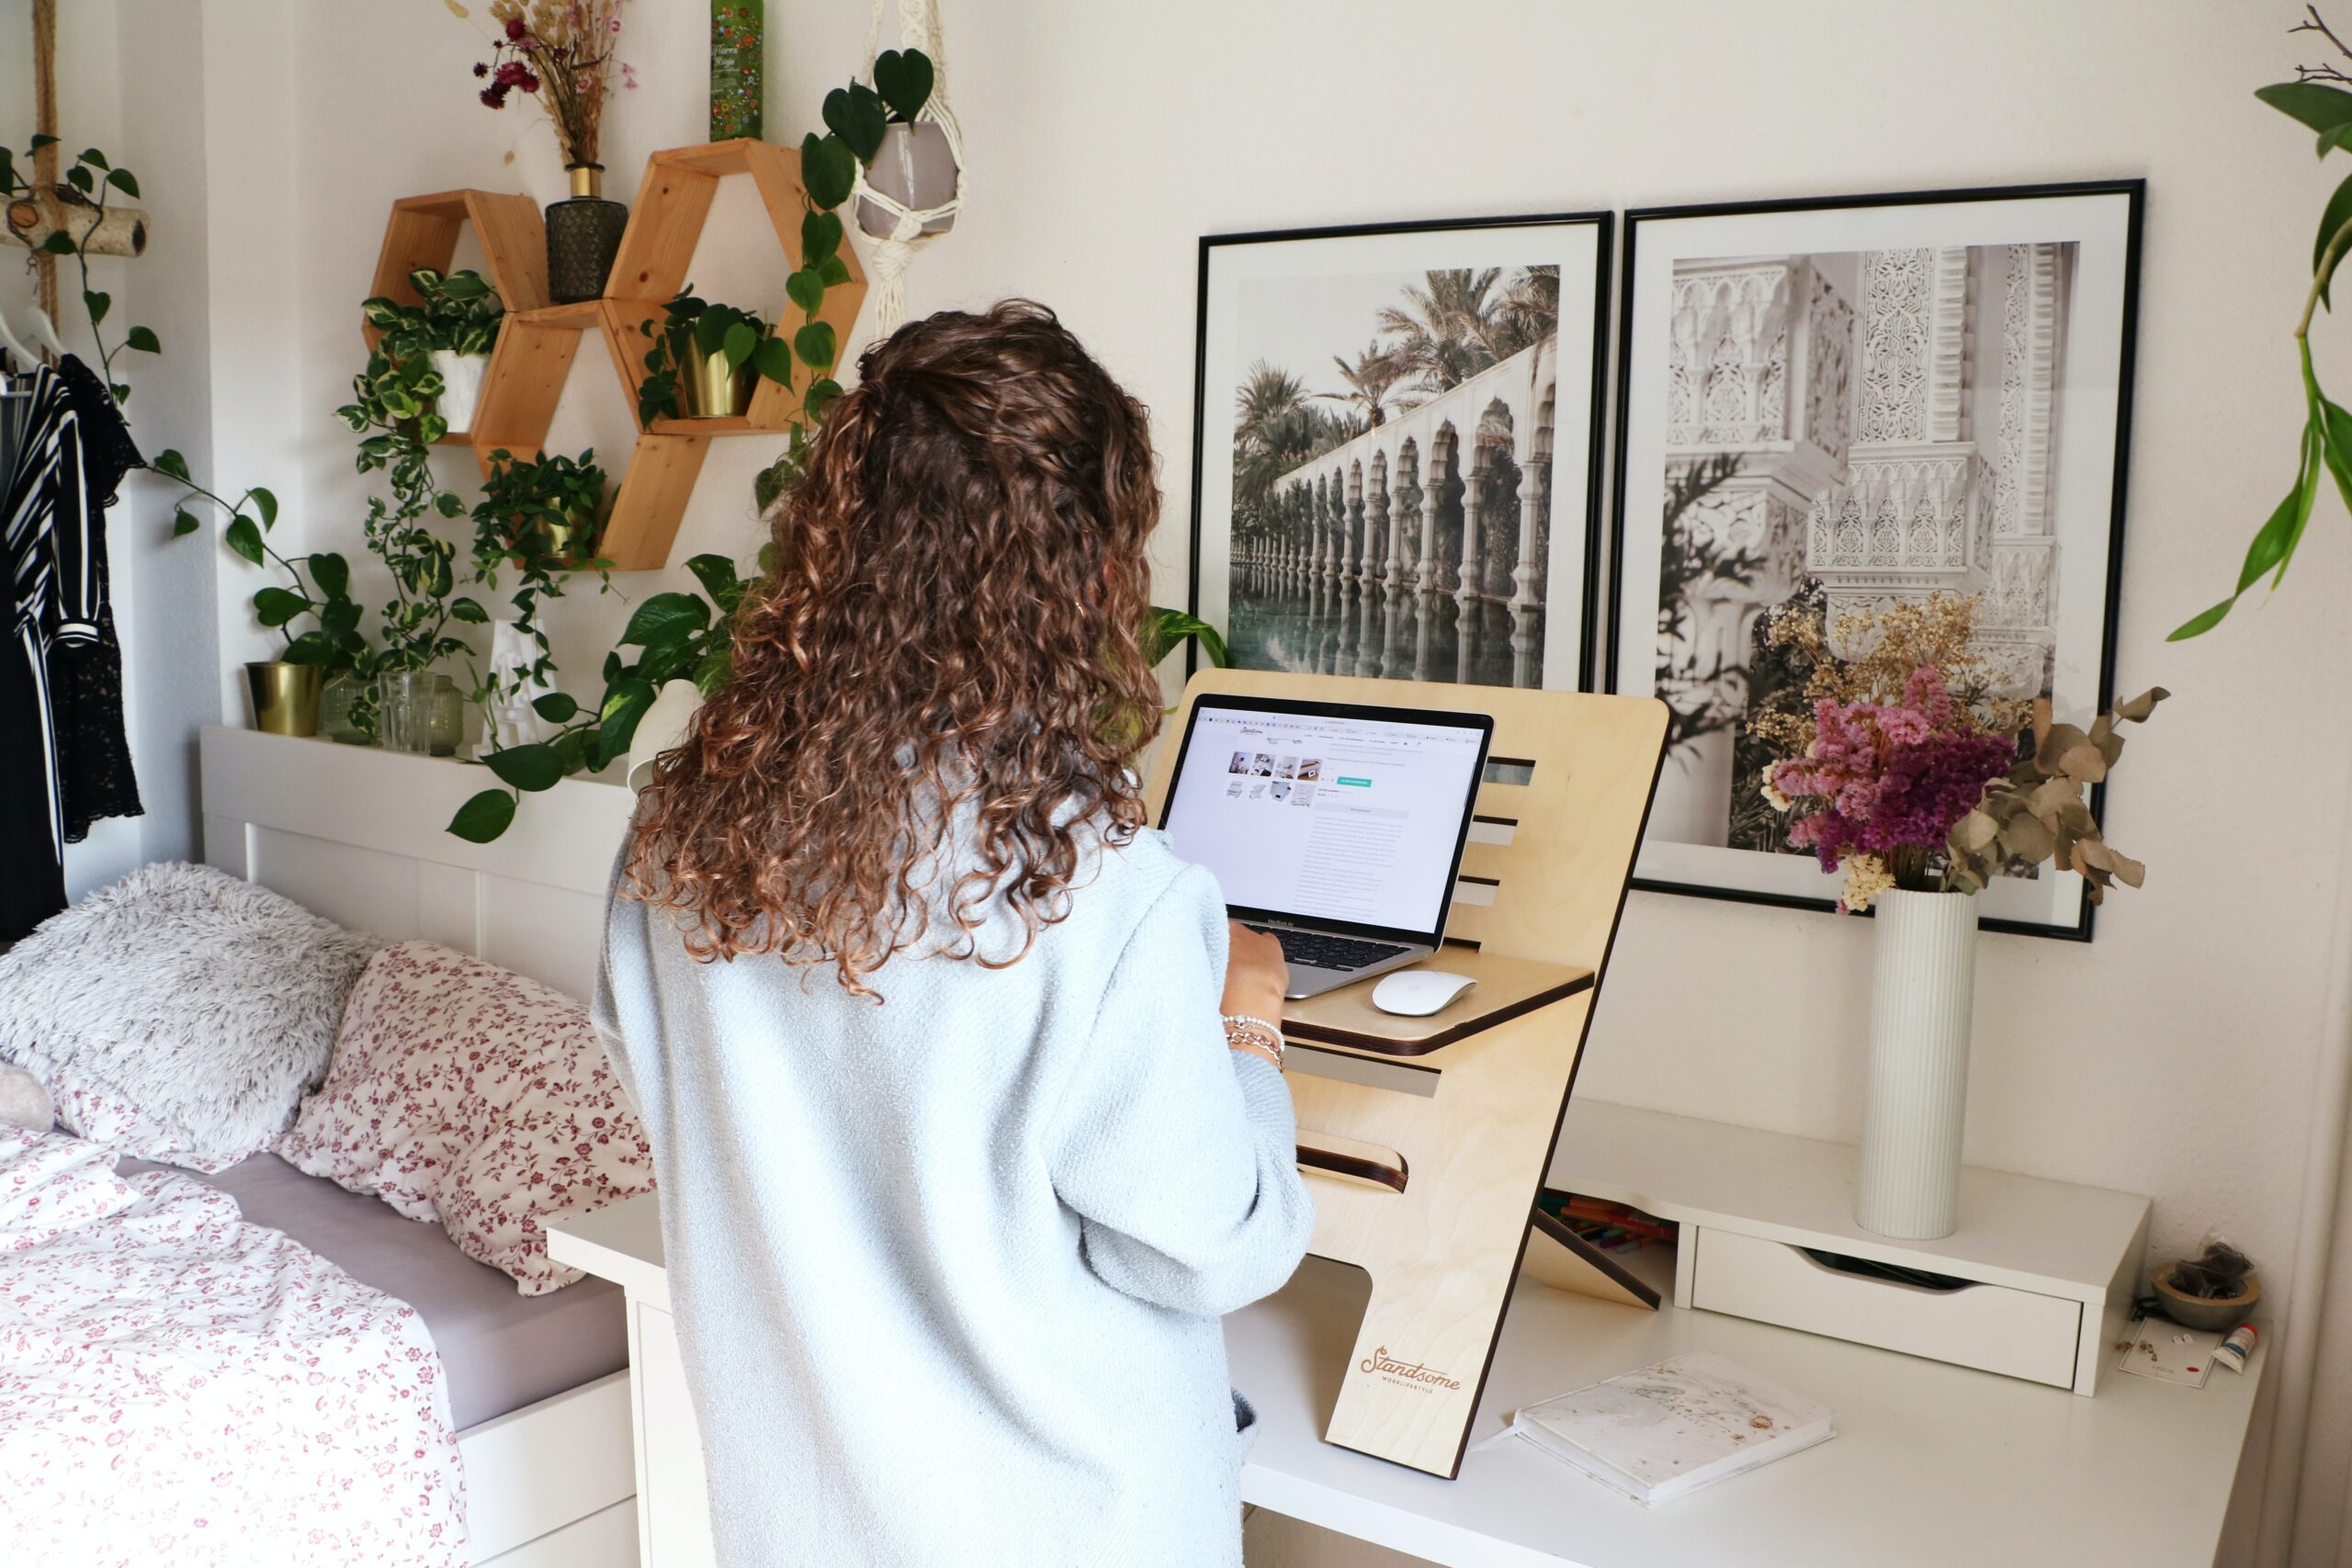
[[286, 697], [709, 390], [564, 542]]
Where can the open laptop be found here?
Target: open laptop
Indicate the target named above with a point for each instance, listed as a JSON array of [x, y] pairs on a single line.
[[1336, 827]]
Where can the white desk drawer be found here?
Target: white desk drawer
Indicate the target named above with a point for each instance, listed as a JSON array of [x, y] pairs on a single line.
[[1992, 1327]]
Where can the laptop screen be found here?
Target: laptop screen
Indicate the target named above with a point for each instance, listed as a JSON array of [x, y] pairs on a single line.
[[1345, 817]]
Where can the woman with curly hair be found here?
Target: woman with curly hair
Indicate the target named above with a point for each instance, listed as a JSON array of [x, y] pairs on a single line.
[[961, 1153]]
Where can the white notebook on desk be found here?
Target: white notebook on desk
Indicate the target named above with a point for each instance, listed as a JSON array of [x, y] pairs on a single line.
[[1669, 1430]]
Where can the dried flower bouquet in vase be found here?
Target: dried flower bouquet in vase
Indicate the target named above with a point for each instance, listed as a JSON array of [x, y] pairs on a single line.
[[1904, 770]]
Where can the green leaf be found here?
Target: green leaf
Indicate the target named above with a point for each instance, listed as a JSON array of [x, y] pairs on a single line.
[[2338, 214], [339, 619], [468, 610], [41, 140], [265, 502], [82, 179], [814, 344], [665, 617], [275, 606], [58, 244], [170, 465], [827, 169], [1165, 630], [310, 648], [449, 504], [93, 157], [857, 115], [245, 538], [527, 767], [484, 817], [719, 578], [121, 180], [98, 304], [806, 289], [903, 78], [739, 342], [556, 708], [182, 525], [773, 359], [144, 340], [820, 236], [625, 704], [820, 396], [331, 573], [832, 272], [2320, 108]]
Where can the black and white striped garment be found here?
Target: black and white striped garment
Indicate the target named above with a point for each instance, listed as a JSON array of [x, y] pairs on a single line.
[[52, 597]]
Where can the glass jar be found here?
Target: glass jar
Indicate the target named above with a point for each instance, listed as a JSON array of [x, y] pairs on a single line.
[[343, 689], [422, 714]]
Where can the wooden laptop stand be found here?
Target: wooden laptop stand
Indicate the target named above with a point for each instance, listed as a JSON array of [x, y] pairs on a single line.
[[1426, 1139]]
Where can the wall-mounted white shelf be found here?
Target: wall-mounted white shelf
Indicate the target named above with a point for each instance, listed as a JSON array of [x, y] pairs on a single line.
[[2051, 1267]]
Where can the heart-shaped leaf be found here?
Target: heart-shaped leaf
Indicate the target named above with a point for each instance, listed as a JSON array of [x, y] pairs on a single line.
[[169, 463], [856, 114], [98, 304], [331, 573], [144, 340], [820, 236], [275, 606], [123, 181], [245, 538], [719, 578], [184, 524], [819, 397], [532, 767], [470, 611], [741, 341], [832, 272], [484, 817], [806, 289], [814, 344], [265, 502], [827, 169], [625, 704], [773, 360], [556, 708], [903, 78]]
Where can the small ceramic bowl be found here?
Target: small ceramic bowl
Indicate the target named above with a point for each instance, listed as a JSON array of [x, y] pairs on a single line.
[[2217, 1315]]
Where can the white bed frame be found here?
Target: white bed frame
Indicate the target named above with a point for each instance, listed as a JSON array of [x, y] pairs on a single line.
[[357, 834]]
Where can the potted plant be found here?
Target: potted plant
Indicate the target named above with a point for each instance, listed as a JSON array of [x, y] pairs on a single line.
[[705, 360], [286, 689], [560, 53], [1902, 770], [451, 332], [541, 519]]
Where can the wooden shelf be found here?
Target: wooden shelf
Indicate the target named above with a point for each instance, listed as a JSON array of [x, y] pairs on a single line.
[[536, 347], [422, 231]]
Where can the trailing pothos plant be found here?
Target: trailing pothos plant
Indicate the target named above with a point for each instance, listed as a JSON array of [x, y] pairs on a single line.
[[714, 331], [80, 203], [541, 519], [317, 587], [2318, 99], [675, 636], [461, 313]]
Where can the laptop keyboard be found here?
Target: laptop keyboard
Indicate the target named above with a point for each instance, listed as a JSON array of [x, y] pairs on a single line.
[[1313, 950]]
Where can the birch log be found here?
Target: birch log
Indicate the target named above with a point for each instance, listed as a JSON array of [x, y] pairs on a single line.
[[118, 232]]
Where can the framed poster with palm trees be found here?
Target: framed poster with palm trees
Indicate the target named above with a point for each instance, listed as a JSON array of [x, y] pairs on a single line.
[[1394, 448]]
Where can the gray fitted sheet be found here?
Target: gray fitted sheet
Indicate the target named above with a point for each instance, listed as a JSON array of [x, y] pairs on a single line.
[[500, 1351]]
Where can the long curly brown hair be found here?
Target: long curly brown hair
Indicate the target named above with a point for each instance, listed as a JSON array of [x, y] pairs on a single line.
[[953, 624]]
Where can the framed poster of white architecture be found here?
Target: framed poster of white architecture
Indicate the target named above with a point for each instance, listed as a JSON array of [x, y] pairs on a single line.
[[1395, 445], [1845, 402]]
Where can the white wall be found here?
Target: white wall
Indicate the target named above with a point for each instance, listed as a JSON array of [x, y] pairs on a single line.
[[2174, 1056]]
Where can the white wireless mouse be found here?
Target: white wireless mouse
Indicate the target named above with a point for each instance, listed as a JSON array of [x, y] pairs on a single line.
[[1416, 993]]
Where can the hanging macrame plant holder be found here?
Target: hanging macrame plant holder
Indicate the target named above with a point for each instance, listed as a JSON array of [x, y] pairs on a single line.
[[911, 194]]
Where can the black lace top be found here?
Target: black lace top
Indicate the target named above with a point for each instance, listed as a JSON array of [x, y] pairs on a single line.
[[85, 678]]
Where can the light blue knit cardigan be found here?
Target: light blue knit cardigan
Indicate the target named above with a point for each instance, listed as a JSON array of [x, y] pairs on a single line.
[[948, 1269]]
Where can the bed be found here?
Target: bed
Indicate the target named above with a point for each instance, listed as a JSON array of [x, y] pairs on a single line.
[[539, 1386]]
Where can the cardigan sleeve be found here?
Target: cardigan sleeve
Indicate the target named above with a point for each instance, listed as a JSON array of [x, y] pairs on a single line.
[[1177, 1153]]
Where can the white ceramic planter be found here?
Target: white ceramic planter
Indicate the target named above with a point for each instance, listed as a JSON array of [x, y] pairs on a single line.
[[460, 386], [1916, 1101]]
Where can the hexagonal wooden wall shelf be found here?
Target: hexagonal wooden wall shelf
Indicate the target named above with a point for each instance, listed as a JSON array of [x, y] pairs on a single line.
[[535, 350], [422, 231]]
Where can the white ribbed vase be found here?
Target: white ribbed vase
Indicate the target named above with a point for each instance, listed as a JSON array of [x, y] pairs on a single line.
[[1918, 1096]]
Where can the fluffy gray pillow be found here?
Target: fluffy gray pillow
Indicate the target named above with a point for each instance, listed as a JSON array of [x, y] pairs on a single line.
[[181, 1015]]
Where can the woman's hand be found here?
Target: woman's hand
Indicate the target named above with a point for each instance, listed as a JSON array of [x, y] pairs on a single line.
[[1256, 975]]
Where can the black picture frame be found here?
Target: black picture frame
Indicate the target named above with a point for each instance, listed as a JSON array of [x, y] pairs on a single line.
[[2133, 193], [1594, 427]]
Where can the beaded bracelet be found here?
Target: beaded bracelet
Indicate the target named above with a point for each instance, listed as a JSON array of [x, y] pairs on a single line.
[[1245, 1033]]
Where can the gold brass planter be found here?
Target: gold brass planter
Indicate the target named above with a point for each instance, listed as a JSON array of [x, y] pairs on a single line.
[[708, 389], [286, 697]]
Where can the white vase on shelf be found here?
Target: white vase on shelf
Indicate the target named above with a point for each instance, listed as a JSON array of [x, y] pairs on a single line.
[[461, 377], [1915, 1104], [513, 721]]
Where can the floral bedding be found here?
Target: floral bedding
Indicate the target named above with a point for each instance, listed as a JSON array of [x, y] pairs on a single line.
[[180, 1387]]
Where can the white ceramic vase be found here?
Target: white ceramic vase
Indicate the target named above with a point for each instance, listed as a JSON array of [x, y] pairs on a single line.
[[460, 387], [1917, 1101], [513, 721]]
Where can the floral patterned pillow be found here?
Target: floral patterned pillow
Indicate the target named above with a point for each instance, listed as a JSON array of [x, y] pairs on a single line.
[[463, 1093]]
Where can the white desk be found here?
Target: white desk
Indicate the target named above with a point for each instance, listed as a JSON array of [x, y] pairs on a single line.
[[1933, 1464]]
